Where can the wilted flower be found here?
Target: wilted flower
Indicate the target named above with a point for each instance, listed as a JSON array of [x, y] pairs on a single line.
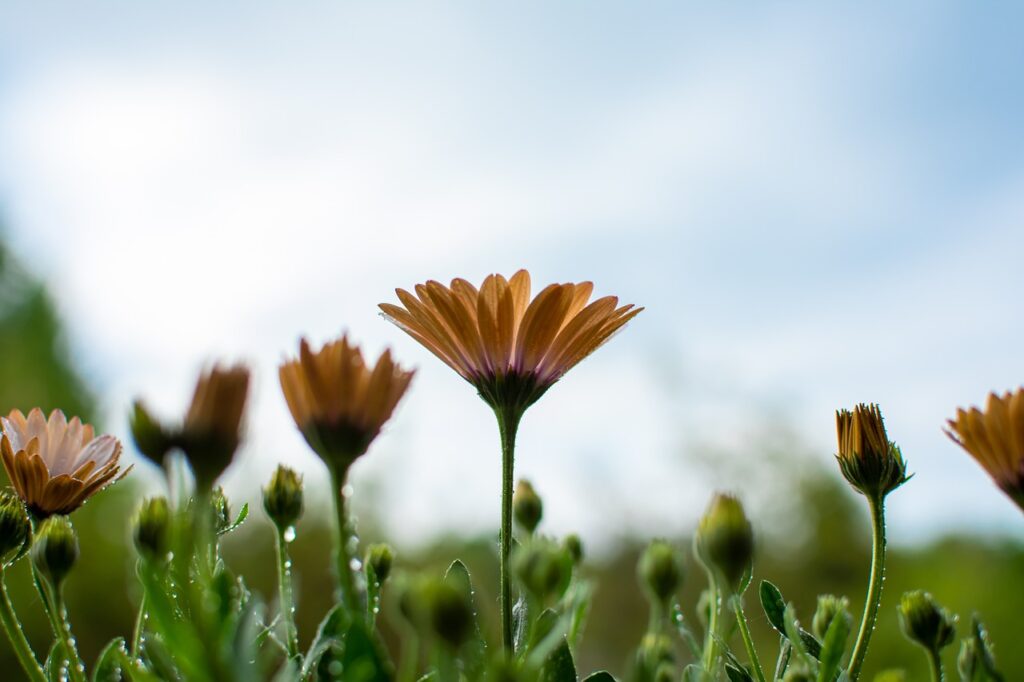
[[14, 526], [995, 438], [338, 401], [510, 348], [56, 465], [55, 549], [871, 463], [282, 498], [527, 506], [660, 570], [153, 529], [725, 540], [925, 622]]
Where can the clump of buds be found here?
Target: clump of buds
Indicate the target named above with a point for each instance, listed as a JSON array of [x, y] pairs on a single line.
[[725, 541], [926, 623], [15, 527], [153, 529], [527, 507], [660, 570], [55, 549], [283, 499]]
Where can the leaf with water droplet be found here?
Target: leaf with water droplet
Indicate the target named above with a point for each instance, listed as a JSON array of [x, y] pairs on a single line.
[[474, 651], [108, 665]]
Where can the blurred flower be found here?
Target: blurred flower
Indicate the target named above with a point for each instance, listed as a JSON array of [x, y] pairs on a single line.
[[574, 546], [55, 549], [925, 622], [995, 438], [339, 402], [510, 348], [56, 465], [527, 506], [15, 527], [871, 463], [660, 570], [725, 540], [282, 498]]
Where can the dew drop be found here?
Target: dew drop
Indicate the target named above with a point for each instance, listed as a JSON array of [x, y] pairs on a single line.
[[289, 534]]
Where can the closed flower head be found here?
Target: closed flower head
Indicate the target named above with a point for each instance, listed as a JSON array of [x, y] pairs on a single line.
[[14, 527], [871, 463], [282, 498], [55, 549], [511, 348], [925, 622], [995, 438], [338, 401], [725, 541], [54, 464]]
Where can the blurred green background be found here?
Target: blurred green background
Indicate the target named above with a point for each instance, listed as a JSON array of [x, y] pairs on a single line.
[[821, 545]]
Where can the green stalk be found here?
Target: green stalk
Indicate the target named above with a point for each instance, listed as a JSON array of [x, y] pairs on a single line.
[[284, 589], [347, 594], [508, 424], [935, 665], [140, 623], [748, 642], [874, 596], [16, 635], [62, 631], [710, 642]]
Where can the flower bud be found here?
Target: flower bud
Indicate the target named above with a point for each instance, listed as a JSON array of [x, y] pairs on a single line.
[[655, 658], [543, 568], [55, 549], [869, 461], [926, 623], [282, 498], [450, 613], [574, 546], [153, 529], [15, 528], [660, 570], [527, 506], [151, 438], [725, 540], [829, 606], [380, 557]]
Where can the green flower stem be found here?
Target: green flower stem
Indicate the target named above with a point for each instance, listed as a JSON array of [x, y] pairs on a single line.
[[935, 665], [748, 642], [17, 636], [284, 589], [347, 594], [140, 624], [874, 596], [62, 631], [508, 424], [710, 641]]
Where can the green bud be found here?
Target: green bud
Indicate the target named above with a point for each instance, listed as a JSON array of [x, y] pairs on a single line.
[[660, 570], [725, 540], [55, 549], [829, 606], [527, 506], [450, 613], [543, 568], [380, 557], [574, 546], [282, 498], [151, 438], [221, 510], [869, 461], [926, 623], [153, 529], [15, 527], [655, 656]]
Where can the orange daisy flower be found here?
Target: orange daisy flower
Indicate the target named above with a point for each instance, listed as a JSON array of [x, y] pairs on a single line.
[[995, 438], [55, 465], [510, 348]]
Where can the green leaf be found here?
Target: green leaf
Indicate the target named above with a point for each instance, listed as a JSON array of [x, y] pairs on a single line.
[[774, 605], [474, 652], [520, 623], [833, 648], [739, 674], [578, 601], [559, 666], [363, 658], [243, 514], [695, 673], [56, 661], [599, 676], [328, 637], [108, 665], [684, 631]]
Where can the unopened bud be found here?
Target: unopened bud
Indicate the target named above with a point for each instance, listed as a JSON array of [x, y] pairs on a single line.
[[451, 615], [829, 606], [282, 498], [527, 506], [725, 540], [926, 623], [543, 568], [574, 546], [153, 529], [14, 526], [869, 461], [151, 438], [380, 557], [55, 549], [660, 570]]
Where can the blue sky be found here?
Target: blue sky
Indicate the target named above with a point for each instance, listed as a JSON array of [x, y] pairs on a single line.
[[817, 204]]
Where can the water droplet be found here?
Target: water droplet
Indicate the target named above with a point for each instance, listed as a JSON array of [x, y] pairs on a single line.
[[355, 564], [289, 534]]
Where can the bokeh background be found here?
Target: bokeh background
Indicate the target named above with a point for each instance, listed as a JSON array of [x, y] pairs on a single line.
[[817, 204]]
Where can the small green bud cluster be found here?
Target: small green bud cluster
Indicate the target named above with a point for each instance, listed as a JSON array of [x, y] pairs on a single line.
[[153, 529], [55, 549], [829, 607], [926, 623], [725, 540], [660, 571], [543, 568], [527, 507], [380, 558], [282, 498], [15, 527]]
